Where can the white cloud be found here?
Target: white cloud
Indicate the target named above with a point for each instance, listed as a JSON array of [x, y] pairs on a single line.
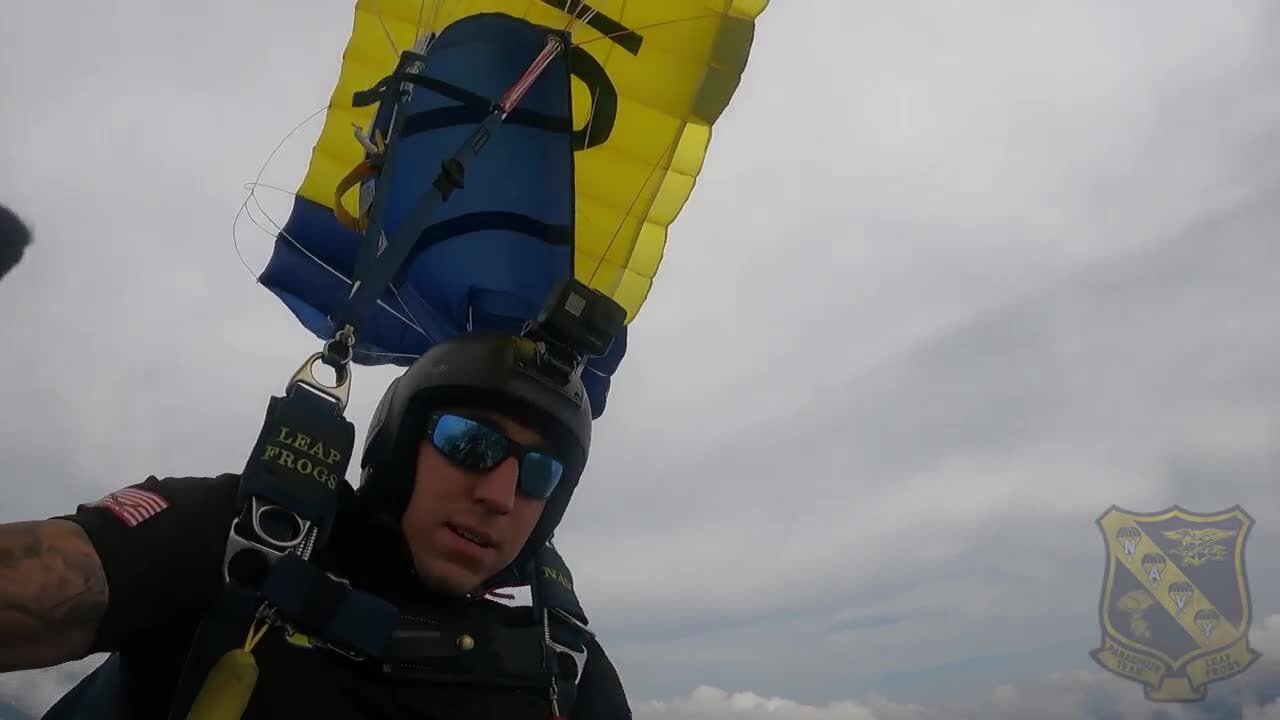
[[710, 703], [1064, 695]]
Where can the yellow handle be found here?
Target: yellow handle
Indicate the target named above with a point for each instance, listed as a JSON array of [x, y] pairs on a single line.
[[226, 691]]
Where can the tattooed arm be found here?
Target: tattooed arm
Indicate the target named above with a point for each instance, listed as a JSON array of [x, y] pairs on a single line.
[[53, 594]]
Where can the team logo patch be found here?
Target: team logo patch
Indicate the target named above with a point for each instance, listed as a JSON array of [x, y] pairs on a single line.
[[132, 504], [1175, 608]]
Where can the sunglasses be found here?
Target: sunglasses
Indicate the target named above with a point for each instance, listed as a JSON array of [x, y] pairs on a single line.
[[478, 447]]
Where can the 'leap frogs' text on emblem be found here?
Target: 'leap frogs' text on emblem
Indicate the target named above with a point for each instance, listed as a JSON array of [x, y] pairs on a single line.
[[1175, 601]]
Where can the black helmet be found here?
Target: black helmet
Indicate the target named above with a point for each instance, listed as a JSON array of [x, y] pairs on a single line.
[[495, 371]]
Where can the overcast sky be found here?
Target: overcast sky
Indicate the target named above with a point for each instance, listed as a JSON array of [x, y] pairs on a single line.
[[957, 277]]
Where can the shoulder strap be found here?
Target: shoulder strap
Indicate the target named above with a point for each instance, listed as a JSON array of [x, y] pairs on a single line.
[[565, 623], [289, 488], [553, 587]]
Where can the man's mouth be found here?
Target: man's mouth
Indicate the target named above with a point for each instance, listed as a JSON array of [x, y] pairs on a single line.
[[472, 535]]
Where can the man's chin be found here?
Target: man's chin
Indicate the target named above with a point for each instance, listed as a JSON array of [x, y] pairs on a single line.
[[448, 578]]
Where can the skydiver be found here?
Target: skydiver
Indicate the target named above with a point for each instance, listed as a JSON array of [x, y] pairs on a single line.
[[433, 526]]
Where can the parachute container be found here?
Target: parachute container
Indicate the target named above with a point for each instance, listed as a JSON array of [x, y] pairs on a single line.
[[584, 177]]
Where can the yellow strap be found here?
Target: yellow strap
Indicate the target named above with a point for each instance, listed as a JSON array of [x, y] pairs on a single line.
[[357, 175]]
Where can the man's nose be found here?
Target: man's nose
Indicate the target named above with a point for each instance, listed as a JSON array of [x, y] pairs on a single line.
[[496, 489]]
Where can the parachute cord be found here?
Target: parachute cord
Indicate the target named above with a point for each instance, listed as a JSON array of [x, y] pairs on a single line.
[[573, 15], [512, 97], [667, 151], [252, 187], [627, 216], [411, 321], [252, 197], [595, 101], [251, 640], [435, 16], [649, 26], [385, 31]]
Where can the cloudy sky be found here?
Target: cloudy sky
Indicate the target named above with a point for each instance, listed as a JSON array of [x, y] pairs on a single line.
[[956, 278]]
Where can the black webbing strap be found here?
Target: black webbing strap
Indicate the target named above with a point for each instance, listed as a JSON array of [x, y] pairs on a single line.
[[317, 604], [288, 495]]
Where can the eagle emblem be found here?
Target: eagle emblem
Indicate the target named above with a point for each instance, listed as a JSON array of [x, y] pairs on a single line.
[[1199, 546]]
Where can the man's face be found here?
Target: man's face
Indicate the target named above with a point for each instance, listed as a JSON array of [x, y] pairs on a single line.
[[449, 502]]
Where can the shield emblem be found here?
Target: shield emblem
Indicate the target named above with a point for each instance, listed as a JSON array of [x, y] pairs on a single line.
[[1175, 608]]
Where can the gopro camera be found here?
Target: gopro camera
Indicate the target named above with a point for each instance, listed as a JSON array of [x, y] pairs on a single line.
[[576, 322]]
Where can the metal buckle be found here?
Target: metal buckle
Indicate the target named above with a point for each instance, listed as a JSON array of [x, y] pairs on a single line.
[[579, 657], [237, 542], [305, 375]]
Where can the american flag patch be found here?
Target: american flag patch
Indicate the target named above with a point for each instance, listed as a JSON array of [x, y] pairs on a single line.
[[133, 505]]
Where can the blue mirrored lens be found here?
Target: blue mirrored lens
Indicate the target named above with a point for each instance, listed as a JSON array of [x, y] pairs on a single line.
[[480, 448], [469, 443], [539, 474]]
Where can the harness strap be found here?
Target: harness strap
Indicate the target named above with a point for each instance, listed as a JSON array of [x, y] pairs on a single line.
[[464, 650], [317, 604], [502, 655], [554, 585], [288, 494], [222, 629], [565, 642]]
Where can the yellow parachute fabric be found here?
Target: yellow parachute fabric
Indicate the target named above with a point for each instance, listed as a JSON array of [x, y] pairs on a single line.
[[674, 64]]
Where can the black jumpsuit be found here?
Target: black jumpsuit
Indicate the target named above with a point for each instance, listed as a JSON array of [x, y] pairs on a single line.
[[162, 550]]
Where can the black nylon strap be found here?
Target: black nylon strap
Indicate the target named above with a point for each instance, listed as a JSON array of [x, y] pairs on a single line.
[[220, 630], [300, 457], [557, 235], [495, 655], [553, 583], [383, 89], [455, 115], [326, 608]]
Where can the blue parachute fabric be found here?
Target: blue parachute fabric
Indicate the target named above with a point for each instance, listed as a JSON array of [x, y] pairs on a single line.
[[492, 253]]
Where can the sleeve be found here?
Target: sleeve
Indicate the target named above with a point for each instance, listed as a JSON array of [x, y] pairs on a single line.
[[161, 544], [600, 692]]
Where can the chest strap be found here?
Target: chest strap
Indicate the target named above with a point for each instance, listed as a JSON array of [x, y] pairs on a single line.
[[319, 604], [547, 649]]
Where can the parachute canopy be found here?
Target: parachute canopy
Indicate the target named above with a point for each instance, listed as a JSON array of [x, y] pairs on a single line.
[[582, 177]]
